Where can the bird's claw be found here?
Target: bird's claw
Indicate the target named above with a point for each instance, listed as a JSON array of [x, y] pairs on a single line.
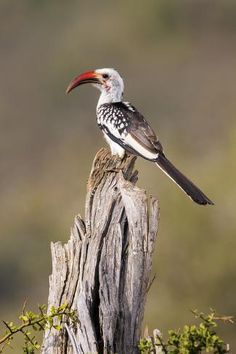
[[115, 169]]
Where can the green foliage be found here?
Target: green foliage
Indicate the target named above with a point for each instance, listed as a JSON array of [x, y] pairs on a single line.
[[193, 339], [31, 322], [146, 345]]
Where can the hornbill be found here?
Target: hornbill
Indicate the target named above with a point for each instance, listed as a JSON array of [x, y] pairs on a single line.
[[125, 129]]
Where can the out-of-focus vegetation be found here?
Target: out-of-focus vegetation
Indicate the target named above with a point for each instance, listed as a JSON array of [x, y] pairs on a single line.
[[192, 339], [30, 323], [178, 61]]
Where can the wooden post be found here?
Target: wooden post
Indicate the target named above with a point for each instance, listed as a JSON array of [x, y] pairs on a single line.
[[103, 271]]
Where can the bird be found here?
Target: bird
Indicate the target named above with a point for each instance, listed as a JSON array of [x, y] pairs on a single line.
[[126, 130]]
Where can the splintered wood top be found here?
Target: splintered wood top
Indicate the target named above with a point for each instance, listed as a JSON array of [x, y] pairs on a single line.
[[103, 271]]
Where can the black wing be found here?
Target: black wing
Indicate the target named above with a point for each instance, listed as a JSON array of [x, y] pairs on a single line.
[[131, 131]]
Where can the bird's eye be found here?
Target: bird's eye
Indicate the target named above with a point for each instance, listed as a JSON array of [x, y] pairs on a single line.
[[105, 76]]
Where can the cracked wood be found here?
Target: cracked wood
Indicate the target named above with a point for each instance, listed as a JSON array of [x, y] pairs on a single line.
[[103, 271]]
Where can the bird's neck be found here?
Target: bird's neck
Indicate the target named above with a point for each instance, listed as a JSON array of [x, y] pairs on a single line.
[[109, 97]]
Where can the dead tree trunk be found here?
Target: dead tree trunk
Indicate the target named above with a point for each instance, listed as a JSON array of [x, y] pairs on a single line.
[[103, 271]]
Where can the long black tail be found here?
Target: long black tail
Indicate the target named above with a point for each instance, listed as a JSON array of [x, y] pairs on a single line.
[[183, 182]]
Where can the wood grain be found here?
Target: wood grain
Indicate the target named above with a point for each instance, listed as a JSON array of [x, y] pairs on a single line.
[[103, 271]]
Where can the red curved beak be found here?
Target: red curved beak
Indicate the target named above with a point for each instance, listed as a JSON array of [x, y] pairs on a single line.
[[85, 78]]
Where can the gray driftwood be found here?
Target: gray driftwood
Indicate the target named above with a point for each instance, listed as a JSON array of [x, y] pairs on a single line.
[[103, 271]]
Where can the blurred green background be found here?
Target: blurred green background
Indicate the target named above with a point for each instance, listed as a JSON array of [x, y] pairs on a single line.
[[178, 59]]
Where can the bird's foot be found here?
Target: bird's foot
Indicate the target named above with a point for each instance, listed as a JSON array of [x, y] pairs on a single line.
[[114, 169]]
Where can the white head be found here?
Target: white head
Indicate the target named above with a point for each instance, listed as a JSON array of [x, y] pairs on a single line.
[[108, 81]]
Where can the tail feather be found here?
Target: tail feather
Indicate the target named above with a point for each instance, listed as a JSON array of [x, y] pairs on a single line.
[[183, 182]]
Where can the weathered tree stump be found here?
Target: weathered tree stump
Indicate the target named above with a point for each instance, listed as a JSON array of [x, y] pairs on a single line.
[[103, 271]]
